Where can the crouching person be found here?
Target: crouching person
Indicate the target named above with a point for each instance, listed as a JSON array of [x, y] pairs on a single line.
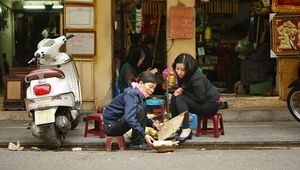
[[127, 111]]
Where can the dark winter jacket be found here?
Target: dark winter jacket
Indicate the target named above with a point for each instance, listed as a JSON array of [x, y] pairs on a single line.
[[126, 104], [199, 88]]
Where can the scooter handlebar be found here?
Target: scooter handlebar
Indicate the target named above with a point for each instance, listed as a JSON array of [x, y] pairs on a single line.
[[32, 60], [70, 36]]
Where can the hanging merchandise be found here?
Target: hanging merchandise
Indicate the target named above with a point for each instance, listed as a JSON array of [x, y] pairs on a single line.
[[138, 21], [266, 3], [132, 18], [207, 35], [219, 7]]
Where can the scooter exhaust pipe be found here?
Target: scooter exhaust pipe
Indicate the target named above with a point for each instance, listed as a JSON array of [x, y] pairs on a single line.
[[62, 123], [36, 130]]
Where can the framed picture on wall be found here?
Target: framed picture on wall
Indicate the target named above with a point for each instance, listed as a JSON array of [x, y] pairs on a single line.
[[285, 37], [82, 44], [286, 6], [79, 1], [79, 17]]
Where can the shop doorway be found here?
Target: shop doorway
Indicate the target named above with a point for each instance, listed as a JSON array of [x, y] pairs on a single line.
[[132, 32], [220, 26], [29, 26], [233, 46], [27, 33]]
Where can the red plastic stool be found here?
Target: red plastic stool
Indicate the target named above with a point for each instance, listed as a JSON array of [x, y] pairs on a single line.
[[97, 130], [216, 130], [115, 139]]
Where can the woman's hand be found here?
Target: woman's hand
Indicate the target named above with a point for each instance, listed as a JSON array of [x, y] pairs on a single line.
[[149, 140], [178, 91], [155, 125]]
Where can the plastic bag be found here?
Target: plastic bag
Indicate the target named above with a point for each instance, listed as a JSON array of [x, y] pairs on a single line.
[[244, 47], [167, 72]]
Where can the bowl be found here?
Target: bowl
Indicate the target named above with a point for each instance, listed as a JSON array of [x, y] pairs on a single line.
[[162, 146]]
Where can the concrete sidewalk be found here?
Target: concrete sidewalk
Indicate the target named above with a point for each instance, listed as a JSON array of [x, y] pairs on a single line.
[[236, 133]]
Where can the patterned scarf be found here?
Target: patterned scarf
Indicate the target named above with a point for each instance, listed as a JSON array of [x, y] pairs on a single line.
[[137, 86]]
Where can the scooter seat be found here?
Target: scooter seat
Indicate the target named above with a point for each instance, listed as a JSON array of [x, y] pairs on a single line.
[[44, 73]]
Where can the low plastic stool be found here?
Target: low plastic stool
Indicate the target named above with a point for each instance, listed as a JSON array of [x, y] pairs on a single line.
[[216, 130], [98, 129], [115, 139]]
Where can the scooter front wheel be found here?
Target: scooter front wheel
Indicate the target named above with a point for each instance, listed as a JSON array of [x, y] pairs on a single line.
[[293, 102], [52, 136]]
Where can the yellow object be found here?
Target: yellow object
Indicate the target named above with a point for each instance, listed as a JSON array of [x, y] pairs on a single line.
[[151, 116], [265, 11], [207, 35], [148, 131], [200, 37], [171, 79], [162, 146]]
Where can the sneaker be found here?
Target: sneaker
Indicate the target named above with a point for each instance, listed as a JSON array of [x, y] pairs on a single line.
[[142, 146]]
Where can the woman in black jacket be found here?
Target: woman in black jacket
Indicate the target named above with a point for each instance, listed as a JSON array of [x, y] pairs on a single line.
[[195, 93]]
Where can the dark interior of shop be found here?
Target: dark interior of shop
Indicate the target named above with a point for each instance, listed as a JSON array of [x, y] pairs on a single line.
[[217, 33], [228, 38], [29, 26], [228, 42]]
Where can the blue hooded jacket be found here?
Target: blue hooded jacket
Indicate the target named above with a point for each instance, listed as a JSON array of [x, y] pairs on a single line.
[[126, 104]]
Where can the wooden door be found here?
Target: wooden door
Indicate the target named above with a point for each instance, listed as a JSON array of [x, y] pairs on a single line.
[[287, 72]]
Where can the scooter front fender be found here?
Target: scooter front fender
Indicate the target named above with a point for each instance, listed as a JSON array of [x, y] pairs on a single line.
[[295, 83]]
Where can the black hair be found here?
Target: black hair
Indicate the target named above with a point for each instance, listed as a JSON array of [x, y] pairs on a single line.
[[134, 56], [190, 64], [147, 77]]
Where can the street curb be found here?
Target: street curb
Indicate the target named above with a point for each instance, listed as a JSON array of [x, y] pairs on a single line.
[[229, 115], [187, 145]]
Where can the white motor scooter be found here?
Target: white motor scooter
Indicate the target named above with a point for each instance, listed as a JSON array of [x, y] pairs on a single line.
[[53, 98]]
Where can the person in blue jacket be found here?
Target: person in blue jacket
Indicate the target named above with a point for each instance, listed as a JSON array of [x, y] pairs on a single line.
[[195, 93], [127, 111]]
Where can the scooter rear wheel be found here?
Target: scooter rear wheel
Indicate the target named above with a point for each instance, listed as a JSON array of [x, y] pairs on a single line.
[[293, 102], [75, 122], [52, 137]]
